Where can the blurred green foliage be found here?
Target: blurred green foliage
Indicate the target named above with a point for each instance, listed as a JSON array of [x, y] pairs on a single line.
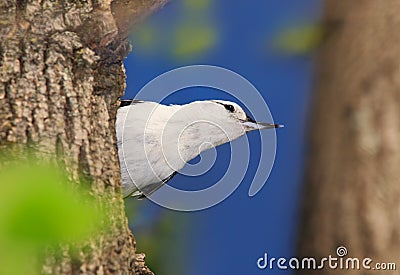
[[146, 39], [299, 40], [39, 208], [197, 4], [193, 35], [192, 40]]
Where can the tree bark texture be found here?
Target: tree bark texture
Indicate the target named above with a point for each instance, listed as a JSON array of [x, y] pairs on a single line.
[[352, 186], [61, 75]]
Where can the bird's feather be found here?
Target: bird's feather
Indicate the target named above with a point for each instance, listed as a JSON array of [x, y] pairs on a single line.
[[154, 187]]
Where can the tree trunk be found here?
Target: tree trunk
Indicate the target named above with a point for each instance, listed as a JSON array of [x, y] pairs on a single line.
[[61, 75], [352, 186]]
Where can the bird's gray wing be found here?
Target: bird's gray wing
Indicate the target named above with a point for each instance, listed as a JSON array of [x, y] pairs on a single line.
[[150, 189], [127, 102]]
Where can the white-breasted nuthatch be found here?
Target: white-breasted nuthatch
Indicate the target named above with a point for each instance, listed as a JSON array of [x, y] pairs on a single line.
[[155, 141]]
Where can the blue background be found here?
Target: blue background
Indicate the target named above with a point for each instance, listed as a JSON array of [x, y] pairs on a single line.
[[230, 237]]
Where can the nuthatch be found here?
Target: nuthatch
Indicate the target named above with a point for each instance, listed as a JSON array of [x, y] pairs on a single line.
[[155, 141]]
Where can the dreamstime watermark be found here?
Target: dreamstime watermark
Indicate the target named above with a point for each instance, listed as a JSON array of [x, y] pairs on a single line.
[[340, 261], [235, 86]]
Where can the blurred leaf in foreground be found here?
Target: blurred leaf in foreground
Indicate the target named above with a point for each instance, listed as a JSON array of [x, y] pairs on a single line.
[[299, 40], [39, 208]]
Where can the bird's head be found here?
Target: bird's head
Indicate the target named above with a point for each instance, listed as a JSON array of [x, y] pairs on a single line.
[[233, 112]]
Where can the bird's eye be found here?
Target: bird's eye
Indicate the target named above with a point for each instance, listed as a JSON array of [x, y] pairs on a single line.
[[229, 107]]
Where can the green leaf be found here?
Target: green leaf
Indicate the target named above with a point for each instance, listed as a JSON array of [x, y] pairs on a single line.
[[300, 39], [193, 40], [38, 207]]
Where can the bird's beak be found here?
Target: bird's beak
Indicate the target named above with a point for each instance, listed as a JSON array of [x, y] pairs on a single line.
[[251, 125]]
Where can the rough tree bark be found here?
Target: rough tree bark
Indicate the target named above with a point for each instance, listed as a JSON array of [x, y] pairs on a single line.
[[61, 75], [352, 187]]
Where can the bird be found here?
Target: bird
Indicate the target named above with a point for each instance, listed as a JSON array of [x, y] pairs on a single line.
[[155, 141]]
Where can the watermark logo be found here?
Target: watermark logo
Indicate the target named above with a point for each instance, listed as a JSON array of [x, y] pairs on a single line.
[[178, 80], [338, 261], [341, 251]]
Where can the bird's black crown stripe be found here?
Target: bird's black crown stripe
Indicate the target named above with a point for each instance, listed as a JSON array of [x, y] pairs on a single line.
[[127, 102]]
